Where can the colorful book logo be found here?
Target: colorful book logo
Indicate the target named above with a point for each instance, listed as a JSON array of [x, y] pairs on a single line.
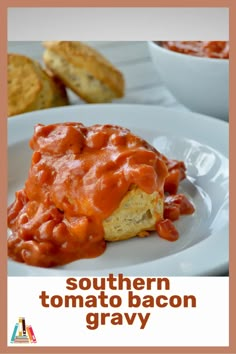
[[23, 333]]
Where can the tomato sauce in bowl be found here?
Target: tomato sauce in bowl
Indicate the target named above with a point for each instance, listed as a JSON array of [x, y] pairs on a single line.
[[210, 49]]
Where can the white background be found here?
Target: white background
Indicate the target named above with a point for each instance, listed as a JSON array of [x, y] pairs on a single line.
[[118, 24], [205, 325]]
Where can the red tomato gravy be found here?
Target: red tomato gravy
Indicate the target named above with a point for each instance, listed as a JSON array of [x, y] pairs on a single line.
[[77, 178], [213, 49]]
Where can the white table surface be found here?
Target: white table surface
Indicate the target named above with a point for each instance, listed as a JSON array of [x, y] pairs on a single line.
[[143, 85]]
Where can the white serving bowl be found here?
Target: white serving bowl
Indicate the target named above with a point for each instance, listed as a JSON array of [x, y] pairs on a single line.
[[201, 84]]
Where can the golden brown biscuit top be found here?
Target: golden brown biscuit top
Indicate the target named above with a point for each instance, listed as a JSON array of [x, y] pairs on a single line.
[[74, 49], [83, 56], [23, 83]]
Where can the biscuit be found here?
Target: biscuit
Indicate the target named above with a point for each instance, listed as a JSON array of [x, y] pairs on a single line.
[[85, 71], [30, 87], [60, 97], [137, 213]]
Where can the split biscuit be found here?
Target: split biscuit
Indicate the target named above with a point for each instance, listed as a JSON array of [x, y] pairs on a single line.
[[30, 87], [137, 213], [85, 71]]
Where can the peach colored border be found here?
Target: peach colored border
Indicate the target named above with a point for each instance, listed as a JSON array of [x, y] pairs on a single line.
[[3, 176], [118, 3]]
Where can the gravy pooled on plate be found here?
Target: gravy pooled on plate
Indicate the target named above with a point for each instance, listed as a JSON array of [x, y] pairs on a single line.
[[78, 178]]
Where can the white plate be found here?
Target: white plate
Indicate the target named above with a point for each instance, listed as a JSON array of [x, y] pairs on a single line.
[[201, 141]]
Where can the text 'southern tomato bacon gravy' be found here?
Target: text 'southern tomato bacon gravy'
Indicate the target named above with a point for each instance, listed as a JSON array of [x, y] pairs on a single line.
[[212, 49], [78, 177]]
